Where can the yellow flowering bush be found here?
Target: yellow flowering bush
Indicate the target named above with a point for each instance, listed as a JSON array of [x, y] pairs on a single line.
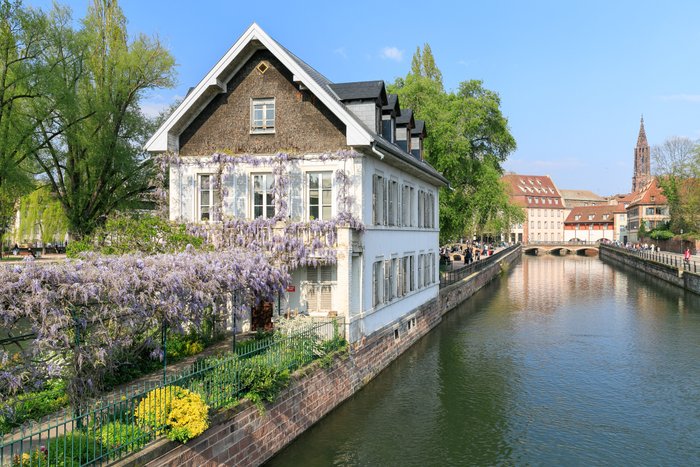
[[179, 413]]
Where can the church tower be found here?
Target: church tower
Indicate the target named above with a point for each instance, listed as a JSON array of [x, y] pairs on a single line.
[[642, 166]]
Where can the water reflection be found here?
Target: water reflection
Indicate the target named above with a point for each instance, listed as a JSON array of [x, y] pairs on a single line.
[[565, 361]]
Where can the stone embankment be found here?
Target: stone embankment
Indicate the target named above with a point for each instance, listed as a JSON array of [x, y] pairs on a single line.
[[671, 273]]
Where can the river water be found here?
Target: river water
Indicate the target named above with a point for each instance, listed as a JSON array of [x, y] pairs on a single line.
[[563, 361]]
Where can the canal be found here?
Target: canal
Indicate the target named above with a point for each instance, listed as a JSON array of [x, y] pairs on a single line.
[[563, 361]]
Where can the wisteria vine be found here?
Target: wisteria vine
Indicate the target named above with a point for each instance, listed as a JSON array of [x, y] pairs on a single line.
[[85, 313]]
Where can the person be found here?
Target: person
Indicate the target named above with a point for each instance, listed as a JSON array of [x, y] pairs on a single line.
[[686, 258], [15, 250]]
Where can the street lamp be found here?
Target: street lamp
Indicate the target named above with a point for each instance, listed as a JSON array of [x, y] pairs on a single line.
[[681, 241]]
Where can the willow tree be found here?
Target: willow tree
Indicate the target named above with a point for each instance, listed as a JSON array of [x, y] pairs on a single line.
[[22, 42], [468, 140], [96, 165]]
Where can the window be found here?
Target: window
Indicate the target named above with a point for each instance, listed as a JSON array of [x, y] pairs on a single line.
[[421, 208], [262, 115], [263, 204], [401, 277], [208, 197], [319, 291], [650, 212], [406, 203], [320, 194], [393, 202]]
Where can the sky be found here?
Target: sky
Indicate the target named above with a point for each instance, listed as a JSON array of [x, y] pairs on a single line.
[[574, 77]]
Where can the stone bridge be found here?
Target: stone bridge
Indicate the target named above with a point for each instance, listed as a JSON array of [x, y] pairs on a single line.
[[561, 248]]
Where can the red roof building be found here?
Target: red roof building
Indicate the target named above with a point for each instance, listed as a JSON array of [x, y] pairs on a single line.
[[543, 204]]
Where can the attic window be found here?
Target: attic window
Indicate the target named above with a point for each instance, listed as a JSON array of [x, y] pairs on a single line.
[[262, 115], [653, 198], [262, 67]]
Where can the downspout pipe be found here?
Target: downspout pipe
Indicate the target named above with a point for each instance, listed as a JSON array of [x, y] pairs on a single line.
[[374, 150]]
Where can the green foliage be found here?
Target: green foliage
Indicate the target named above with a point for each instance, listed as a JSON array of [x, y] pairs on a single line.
[[23, 36], [97, 165], [261, 382], [661, 234], [144, 233], [677, 163], [121, 436], [41, 217], [178, 412], [468, 140], [33, 405], [72, 450]]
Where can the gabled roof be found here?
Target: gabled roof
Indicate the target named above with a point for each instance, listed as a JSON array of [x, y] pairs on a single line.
[[534, 191], [392, 106], [214, 83], [405, 118], [592, 214], [581, 195], [360, 91], [650, 194], [419, 129], [253, 39]]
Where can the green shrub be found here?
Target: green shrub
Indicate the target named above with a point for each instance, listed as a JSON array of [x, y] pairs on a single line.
[[177, 412], [125, 436], [33, 405], [261, 382], [661, 234], [72, 450]]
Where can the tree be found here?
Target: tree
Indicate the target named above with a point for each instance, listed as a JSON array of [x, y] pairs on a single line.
[[97, 165], [468, 140], [677, 167], [22, 42]]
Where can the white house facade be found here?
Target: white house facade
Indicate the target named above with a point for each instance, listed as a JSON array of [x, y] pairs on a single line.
[[267, 146]]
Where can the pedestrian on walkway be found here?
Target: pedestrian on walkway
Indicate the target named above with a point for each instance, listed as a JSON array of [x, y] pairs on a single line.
[[686, 258]]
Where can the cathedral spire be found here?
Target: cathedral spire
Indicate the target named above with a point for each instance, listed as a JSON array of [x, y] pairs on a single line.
[[642, 162], [642, 138]]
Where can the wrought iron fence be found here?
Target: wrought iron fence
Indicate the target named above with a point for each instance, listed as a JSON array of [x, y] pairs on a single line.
[[111, 428], [450, 277], [669, 259]]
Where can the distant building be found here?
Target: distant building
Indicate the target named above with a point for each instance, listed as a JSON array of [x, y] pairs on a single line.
[[648, 206], [574, 198], [642, 163], [544, 208], [590, 223]]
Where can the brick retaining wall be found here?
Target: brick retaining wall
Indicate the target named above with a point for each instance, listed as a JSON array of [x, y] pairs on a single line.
[[245, 437]]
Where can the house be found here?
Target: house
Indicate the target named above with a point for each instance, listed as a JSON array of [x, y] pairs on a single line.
[[543, 205], [268, 145], [590, 223], [648, 206]]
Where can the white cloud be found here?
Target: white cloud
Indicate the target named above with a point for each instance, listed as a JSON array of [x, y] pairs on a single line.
[[695, 98], [392, 53], [342, 52]]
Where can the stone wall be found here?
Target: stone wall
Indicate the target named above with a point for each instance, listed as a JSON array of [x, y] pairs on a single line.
[[685, 279], [245, 437]]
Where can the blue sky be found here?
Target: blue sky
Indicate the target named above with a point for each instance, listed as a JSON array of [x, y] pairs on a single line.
[[574, 76]]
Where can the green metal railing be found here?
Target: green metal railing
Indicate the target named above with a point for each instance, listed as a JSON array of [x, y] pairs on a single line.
[[109, 429]]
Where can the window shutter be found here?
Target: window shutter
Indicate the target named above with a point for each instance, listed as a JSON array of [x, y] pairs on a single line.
[[296, 195], [240, 195]]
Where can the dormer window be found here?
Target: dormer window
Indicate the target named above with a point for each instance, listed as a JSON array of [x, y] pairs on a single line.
[[577, 217], [262, 115]]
